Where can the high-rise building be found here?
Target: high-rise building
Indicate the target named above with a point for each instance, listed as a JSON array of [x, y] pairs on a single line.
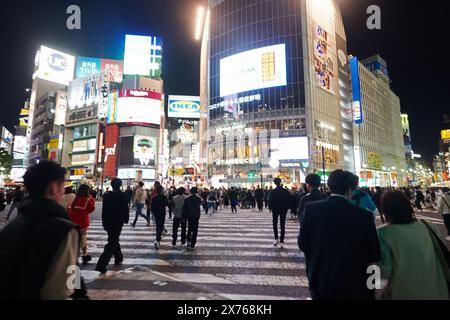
[[275, 86], [379, 139]]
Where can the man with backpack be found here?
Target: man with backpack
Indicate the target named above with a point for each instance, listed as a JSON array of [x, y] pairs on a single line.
[[38, 247]]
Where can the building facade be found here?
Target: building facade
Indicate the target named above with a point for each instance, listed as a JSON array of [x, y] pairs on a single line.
[[275, 73], [379, 135]]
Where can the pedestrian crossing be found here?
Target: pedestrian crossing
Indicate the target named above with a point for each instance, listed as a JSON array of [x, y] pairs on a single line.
[[234, 259]]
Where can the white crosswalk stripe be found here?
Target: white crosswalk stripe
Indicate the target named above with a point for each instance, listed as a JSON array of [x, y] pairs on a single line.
[[234, 259]]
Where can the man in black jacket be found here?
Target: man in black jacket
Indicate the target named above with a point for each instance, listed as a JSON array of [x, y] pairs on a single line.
[[259, 195], [340, 241], [159, 204], [192, 212], [312, 186], [38, 247], [115, 213], [17, 196], [279, 203]]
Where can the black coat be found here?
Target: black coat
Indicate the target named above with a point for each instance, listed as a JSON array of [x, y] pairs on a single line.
[[314, 195], [159, 204], [115, 211], [280, 200], [28, 246], [339, 241], [191, 208]]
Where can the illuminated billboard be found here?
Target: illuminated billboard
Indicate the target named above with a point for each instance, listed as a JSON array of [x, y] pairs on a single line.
[[135, 106], [187, 132], [144, 150], [324, 66], [61, 108], [255, 69], [184, 107], [87, 66], [20, 144], [143, 56], [358, 116], [54, 66], [86, 91], [445, 134], [289, 148]]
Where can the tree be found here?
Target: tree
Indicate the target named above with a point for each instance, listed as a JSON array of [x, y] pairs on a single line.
[[5, 162]]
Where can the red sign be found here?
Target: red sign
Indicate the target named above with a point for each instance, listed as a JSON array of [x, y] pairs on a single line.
[[113, 70], [111, 148], [140, 94]]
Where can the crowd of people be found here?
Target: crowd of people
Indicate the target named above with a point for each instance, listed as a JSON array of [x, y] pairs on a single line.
[[338, 232]]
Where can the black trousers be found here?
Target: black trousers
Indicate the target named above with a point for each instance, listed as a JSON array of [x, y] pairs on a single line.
[[282, 216], [447, 222], [112, 248], [177, 222], [192, 231], [266, 203], [160, 219], [260, 204]]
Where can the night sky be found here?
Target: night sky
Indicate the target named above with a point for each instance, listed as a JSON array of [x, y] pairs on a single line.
[[414, 40]]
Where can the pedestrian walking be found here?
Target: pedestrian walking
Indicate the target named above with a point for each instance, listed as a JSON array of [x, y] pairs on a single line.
[[279, 203], [42, 236], [80, 209], [191, 212], [362, 199], [259, 195], [444, 209], [140, 197], [212, 202], [129, 193], [178, 220], [409, 259], [115, 213], [266, 197], [340, 242], [420, 198], [2, 200], [233, 196], [159, 205], [313, 182], [17, 196]]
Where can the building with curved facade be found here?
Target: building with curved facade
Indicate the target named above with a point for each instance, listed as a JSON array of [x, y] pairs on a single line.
[[275, 85]]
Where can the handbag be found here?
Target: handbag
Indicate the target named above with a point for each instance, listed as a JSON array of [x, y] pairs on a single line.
[[441, 251]]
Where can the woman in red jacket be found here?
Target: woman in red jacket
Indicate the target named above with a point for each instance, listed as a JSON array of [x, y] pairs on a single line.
[[79, 212]]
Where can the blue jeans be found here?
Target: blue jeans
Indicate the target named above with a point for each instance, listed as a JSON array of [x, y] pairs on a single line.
[[139, 207]]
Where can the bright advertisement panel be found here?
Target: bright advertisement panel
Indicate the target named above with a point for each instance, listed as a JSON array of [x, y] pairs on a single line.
[[87, 66], [324, 67], [144, 150], [188, 131], [20, 144], [55, 66], [86, 91], [137, 106], [255, 69], [113, 70], [6, 135], [296, 148], [445, 134], [184, 107], [132, 174], [17, 173], [143, 56], [358, 116]]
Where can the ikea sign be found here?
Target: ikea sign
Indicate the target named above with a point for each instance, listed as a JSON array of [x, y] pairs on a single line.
[[184, 107]]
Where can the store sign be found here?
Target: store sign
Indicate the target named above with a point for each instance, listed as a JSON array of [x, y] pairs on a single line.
[[445, 134], [20, 144], [133, 174], [184, 107], [252, 70], [86, 91], [75, 116], [358, 116], [111, 140], [87, 66], [290, 165], [235, 102], [54, 66]]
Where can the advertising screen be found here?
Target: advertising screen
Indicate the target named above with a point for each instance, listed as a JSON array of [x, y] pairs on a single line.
[[113, 70], [136, 106], [87, 66], [20, 144], [17, 173], [188, 131], [144, 150], [289, 148], [55, 66], [61, 108], [356, 87], [132, 174], [143, 56], [6, 135], [86, 91], [445, 134], [252, 70], [184, 107], [324, 66]]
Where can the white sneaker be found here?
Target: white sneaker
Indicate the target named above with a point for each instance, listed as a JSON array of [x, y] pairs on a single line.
[[281, 245], [275, 243], [157, 245]]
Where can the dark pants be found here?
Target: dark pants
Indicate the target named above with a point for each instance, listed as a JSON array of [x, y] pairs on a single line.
[[419, 205], [234, 206], [160, 219], [447, 222], [192, 231], [170, 210], [139, 207], [266, 203], [260, 204], [176, 224], [112, 248], [282, 216]]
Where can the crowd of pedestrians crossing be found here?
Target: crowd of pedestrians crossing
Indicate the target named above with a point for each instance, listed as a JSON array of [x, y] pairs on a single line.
[[338, 232]]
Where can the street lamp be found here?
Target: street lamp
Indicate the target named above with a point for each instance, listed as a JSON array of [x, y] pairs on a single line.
[[199, 23]]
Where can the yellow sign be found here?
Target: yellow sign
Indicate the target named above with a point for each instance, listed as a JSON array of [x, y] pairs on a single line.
[[53, 144], [445, 134]]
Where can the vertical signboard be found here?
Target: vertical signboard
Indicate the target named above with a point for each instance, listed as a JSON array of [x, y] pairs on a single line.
[[356, 87], [111, 141]]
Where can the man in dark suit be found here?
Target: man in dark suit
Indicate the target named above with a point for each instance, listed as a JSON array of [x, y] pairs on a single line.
[[279, 203], [339, 241]]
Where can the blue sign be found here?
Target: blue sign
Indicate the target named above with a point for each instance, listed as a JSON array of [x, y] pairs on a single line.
[[88, 66], [184, 107], [356, 88]]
